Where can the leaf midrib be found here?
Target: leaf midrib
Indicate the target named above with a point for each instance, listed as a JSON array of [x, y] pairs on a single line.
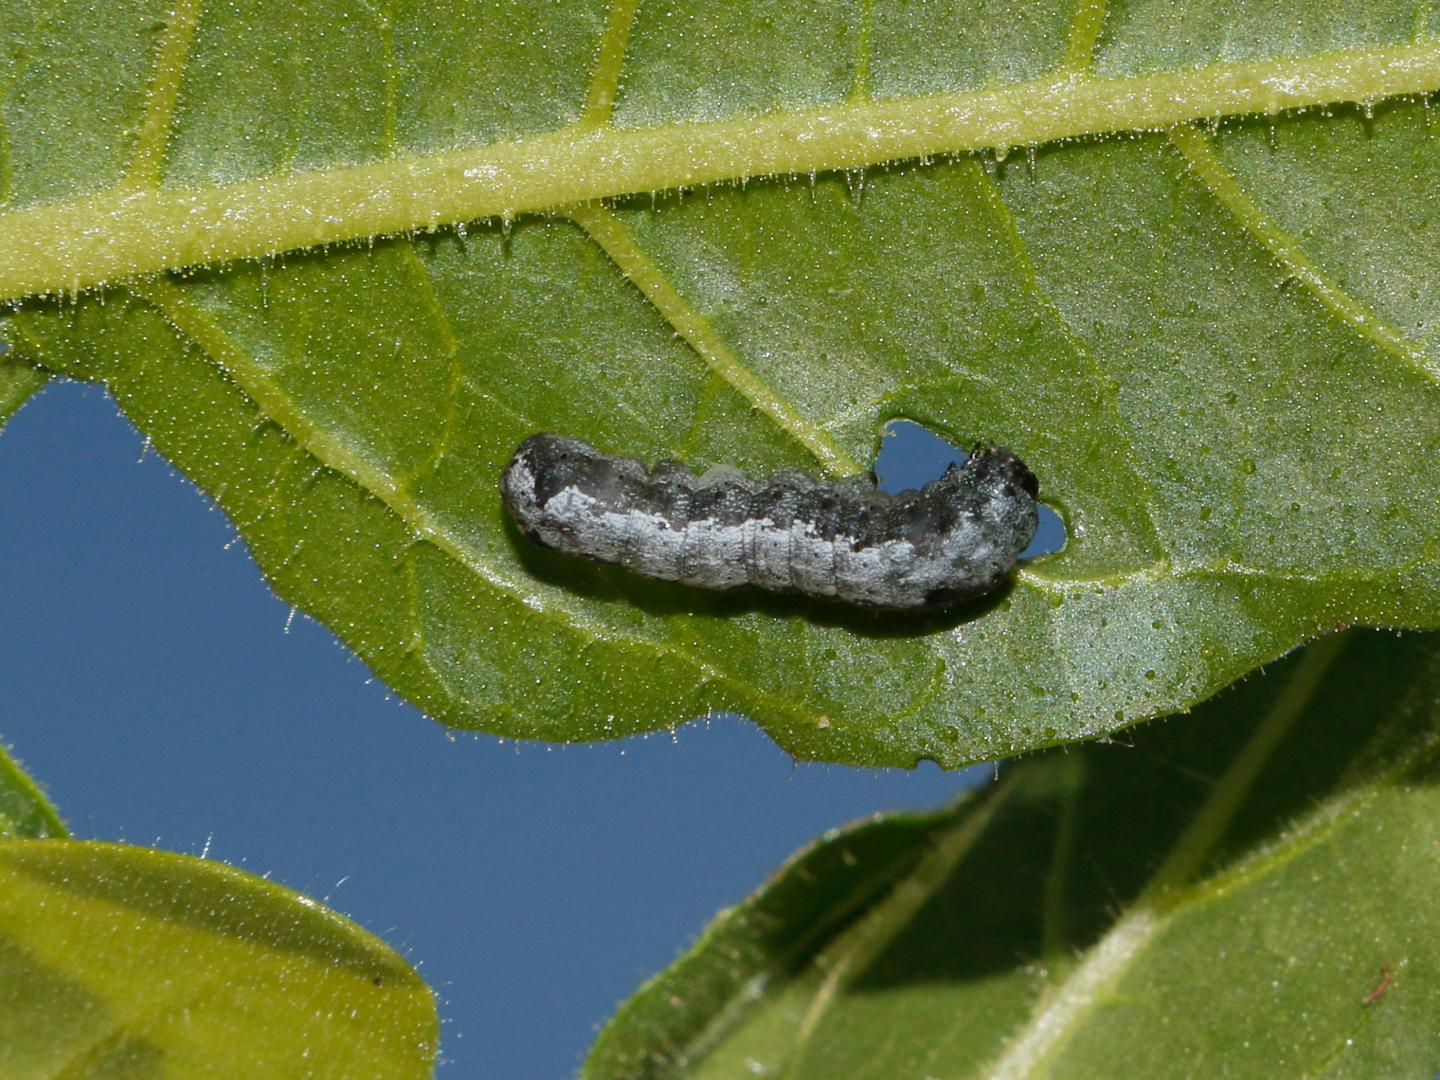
[[75, 244], [1032, 1049]]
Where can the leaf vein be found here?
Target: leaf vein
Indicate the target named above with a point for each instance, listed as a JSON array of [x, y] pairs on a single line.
[[450, 412], [860, 88], [1225, 188], [78, 243], [418, 646], [331, 452], [610, 233], [1083, 989], [609, 63], [381, 10], [163, 94], [1109, 391], [863, 943], [1084, 35]]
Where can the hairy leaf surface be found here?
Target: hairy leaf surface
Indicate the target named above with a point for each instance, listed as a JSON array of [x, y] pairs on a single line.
[[1246, 891], [24, 809], [122, 961], [1216, 348], [18, 380]]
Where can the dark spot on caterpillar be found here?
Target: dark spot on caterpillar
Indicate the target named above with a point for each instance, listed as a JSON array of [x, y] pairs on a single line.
[[953, 540]]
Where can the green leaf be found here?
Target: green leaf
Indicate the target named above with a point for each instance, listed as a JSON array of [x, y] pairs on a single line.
[[1217, 350], [24, 809], [121, 961], [18, 380], [1249, 891]]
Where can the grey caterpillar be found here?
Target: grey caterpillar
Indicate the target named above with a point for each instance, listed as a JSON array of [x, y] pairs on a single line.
[[954, 539]]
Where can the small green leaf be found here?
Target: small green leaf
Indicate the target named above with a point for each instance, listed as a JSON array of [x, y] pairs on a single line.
[[1217, 349], [121, 961], [25, 812], [1246, 891], [18, 381]]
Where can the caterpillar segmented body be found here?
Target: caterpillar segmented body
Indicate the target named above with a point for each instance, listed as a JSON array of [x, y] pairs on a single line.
[[954, 539]]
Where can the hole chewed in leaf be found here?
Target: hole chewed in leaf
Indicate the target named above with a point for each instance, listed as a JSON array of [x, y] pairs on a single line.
[[911, 456]]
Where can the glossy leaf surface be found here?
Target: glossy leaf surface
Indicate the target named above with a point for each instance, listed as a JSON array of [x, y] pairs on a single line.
[[122, 961], [1246, 891], [1217, 350]]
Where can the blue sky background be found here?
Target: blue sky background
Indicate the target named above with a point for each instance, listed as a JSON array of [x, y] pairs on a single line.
[[164, 696]]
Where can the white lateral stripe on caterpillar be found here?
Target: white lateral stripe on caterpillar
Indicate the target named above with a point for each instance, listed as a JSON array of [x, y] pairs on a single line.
[[956, 538]]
